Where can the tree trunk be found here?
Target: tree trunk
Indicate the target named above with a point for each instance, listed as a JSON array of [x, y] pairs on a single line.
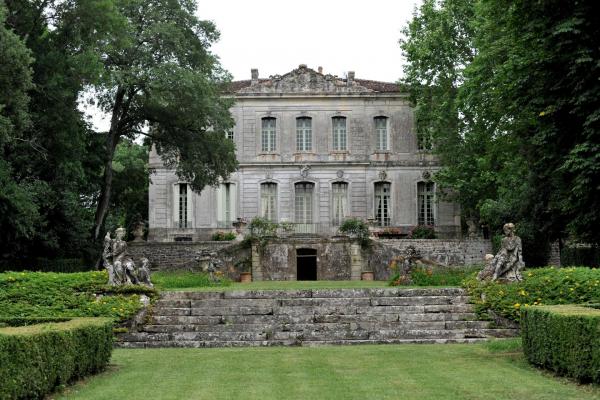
[[112, 140]]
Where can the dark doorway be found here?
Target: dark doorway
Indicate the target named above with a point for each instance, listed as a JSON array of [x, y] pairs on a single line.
[[306, 264]]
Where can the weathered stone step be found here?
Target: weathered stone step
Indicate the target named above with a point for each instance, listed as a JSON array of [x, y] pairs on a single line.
[[265, 343], [315, 293], [306, 318]]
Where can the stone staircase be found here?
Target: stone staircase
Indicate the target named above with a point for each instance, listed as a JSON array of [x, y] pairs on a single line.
[[311, 317]]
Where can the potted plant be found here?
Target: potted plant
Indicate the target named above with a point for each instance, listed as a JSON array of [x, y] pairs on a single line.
[[367, 276], [246, 274]]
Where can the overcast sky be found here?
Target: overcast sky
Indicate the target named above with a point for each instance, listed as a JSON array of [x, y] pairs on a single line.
[[276, 36]]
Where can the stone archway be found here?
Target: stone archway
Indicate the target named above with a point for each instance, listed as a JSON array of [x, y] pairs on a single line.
[[306, 264]]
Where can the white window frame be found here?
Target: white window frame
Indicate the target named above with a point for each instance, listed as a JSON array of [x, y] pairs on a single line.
[[304, 134], [268, 134], [385, 217], [226, 204], [268, 200], [339, 202], [426, 210], [382, 134], [306, 198], [339, 132], [178, 212]]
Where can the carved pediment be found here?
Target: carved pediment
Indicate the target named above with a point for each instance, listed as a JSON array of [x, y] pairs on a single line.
[[305, 80]]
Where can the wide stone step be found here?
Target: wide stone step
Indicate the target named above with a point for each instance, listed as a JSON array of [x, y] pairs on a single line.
[[269, 343], [315, 293]]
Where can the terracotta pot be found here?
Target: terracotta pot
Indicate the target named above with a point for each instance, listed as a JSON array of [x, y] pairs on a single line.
[[246, 277], [366, 276]]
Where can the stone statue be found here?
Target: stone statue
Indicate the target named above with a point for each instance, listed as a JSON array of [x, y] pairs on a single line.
[[121, 268], [208, 262], [508, 263]]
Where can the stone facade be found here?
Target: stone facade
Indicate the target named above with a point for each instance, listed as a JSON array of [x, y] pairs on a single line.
[[313, 149]]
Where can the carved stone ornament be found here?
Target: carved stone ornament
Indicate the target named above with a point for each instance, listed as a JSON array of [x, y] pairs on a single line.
[[304, 170], [340, 173], [268, 174], [507, 264], [426, 175], [120, 266], [382, 175]]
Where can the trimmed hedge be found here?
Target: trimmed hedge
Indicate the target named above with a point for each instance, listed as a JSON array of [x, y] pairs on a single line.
[[564, 339], [35, 359]]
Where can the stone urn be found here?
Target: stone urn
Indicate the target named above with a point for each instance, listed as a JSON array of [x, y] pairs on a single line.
[[367, 276], [138, 232], [246, 277]]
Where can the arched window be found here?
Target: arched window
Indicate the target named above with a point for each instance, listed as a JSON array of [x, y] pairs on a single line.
[[303, 202], [268, 135], [303, 134], [382, 203], [381, 132], [339, 133], [268, 201], [339, 202], [425, 203]]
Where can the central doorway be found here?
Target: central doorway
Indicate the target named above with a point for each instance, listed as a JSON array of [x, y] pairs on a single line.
[[306, 264]]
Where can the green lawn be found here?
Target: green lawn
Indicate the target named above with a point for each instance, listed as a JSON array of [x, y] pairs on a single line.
[[487, 371]]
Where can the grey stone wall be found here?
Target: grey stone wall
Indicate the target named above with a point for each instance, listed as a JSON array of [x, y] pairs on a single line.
[[443, 251], [180, 255]]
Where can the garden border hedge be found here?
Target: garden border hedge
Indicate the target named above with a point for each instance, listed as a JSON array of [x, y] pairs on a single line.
[[35, 359], [564, 339]]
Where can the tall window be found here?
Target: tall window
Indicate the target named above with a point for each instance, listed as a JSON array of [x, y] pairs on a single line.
[[381, 131], [303, 134], [425, 203], [382, 203], [339, 133], [340, 202], [303, 203], [226, 210], [268, 200], [183, 205], [229, 134], [268, 134]]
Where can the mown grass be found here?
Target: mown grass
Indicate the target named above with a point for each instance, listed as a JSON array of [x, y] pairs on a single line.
[[416, 372], [163, 280], [282, 285]]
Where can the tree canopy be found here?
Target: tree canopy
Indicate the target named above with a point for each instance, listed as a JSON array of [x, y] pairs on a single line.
[[510, 93]]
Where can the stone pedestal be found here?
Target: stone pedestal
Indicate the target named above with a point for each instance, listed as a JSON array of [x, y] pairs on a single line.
[[257, 274], [356, 262]]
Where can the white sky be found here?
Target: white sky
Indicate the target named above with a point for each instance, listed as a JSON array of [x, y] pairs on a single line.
[[276, 36]]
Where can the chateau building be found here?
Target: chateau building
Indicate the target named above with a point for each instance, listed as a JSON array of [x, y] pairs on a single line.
[[313, 150]]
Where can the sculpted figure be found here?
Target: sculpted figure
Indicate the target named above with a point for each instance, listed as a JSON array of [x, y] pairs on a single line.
[[121, 268], [508, 263]]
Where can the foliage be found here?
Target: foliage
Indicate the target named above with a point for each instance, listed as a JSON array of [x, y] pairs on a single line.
[[510, 94], [261, 229], [425, 275], [545, 286], [46, 265], [356, 228], [579, 255], [184, 279], [223, 236], [563, 339], [422, 232], [81, 294], [158, 73], [35, 359]]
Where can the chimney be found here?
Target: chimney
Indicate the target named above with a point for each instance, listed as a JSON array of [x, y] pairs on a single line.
[[320, 69], [254, 72], [350, 78]]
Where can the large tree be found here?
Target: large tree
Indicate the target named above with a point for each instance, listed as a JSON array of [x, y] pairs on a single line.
[[526, 100], [159, 79]]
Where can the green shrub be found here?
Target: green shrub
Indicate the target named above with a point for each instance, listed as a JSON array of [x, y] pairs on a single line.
[[540, 286], [422, 232], [186, 279], [223, 236], [81, 294], [35, 359], [564, 339], [580, 255], [434, 276], [47, 265], [356, 228]]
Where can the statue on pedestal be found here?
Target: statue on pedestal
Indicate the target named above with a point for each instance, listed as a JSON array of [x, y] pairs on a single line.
[[121, 268], [505, 266]]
